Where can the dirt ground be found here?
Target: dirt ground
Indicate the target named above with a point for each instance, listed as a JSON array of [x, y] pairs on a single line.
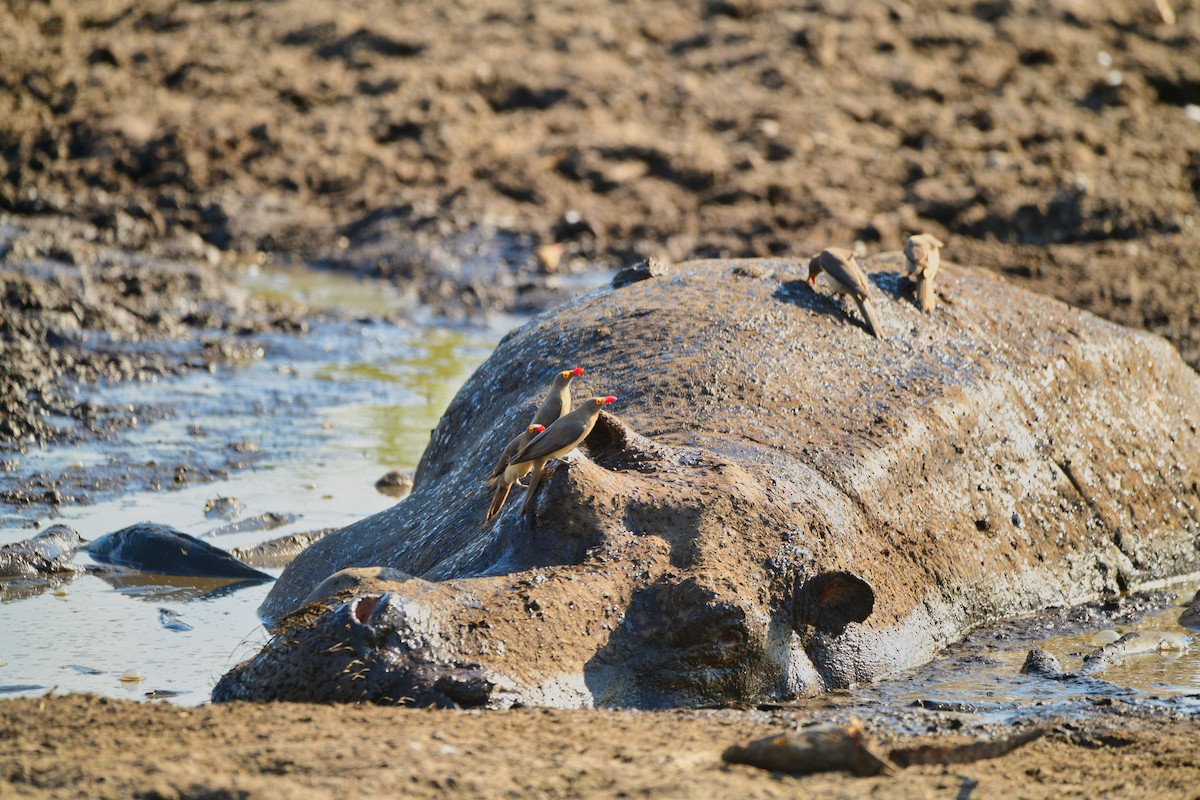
[[1058, 142], [440, 145], [82, 746]]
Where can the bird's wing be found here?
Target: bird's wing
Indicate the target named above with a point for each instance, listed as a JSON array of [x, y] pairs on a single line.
[[846, 272], [513, 445], [556, 437]]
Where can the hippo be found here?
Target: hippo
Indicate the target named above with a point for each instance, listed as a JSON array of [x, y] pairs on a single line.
[[161, 549], [778, 505]]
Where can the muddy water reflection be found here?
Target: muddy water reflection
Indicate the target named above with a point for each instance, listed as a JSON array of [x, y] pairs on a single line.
[[979, 681]]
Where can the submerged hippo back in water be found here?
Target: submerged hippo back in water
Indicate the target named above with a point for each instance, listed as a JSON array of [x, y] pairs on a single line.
[[784, 504], [150, 547]]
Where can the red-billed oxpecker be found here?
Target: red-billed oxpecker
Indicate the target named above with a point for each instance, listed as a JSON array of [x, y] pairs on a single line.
[[558, 402], [922, 256], [505, 474], [845, 277], [556, 441]]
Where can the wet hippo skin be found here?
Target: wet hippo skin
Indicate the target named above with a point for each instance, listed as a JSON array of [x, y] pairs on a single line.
[[778, 504]]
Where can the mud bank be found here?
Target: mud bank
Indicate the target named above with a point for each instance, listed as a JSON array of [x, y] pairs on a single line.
[[1054, 141], [91, 314], [81, 745]]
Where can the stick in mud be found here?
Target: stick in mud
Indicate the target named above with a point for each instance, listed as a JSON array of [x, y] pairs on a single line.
[[849, 748], [962, 754], [1039, 662]]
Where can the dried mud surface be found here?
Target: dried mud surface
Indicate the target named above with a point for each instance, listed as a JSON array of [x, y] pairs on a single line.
[[83, 746]]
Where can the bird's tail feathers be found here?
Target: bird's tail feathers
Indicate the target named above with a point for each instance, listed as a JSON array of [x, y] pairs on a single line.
[[868, 311], [925, 295], [535, 479], [498, 499]]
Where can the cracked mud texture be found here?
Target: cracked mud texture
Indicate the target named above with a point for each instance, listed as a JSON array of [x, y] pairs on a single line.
[[1049, 140]]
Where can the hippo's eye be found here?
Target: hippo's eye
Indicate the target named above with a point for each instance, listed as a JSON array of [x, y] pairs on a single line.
[[730, 637]]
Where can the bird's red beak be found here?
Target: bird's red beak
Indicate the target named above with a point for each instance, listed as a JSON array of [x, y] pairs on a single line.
[[575, 373], [609, 399], [812, 280], [536, 428]]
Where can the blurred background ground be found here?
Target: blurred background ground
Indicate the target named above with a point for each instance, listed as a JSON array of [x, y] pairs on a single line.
[[1057, 141]]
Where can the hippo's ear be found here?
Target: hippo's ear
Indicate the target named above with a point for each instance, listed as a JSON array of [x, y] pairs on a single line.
[[831, 601]]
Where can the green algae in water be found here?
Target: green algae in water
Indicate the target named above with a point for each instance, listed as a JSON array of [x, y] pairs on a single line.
[[324, 289], [431, 369]]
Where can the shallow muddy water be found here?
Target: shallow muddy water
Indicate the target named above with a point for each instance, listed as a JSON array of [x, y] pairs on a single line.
[[979, 680], [316, 421], [306, 430]]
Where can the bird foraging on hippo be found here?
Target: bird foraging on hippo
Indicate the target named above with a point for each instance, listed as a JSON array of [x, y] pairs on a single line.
[[558, 401], [847, 278], [505, 474], [922, 254], [780, 509], [563, 436]]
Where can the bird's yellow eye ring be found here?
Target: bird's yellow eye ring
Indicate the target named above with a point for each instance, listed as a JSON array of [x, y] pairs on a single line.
[[566, 373]]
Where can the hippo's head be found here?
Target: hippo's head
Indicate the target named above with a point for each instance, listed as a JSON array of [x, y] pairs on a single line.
[[680, 605]]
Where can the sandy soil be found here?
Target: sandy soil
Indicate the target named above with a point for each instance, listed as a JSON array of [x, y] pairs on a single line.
[[84, 746], [440, 144]]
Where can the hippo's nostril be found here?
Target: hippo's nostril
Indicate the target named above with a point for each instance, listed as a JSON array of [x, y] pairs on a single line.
[[365, 606]]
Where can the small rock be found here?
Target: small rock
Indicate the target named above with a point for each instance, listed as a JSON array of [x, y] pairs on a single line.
[[651, 268], [396, 484], [1039, 662], [1191, 617], [223, 508], [171, 621]]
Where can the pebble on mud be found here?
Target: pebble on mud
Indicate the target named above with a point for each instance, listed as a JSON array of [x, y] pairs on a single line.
[[226, 508], [131, 676], [395, 484]]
